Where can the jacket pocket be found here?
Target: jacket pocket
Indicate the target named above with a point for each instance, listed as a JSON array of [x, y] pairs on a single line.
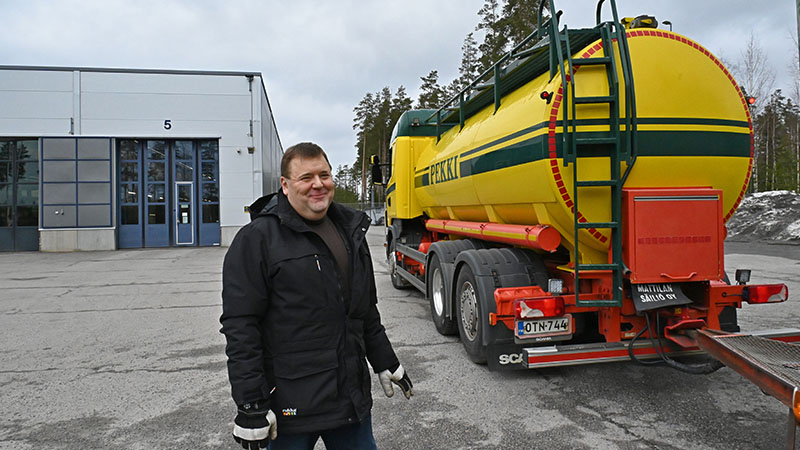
[[305, 382]]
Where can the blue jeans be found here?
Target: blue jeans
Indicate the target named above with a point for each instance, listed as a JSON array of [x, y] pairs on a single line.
[[357, 436]]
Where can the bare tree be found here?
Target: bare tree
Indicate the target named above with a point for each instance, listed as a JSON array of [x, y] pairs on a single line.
[[794, 71], [757, 78], [754, 73]]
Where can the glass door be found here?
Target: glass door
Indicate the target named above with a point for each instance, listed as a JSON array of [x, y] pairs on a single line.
[[184, 208], [19, 195]]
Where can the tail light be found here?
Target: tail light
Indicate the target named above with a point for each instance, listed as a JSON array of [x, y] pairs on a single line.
[[538, 308], [765, 293]]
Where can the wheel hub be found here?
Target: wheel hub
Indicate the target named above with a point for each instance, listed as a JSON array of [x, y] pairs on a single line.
[[469, 311], [437, 286]]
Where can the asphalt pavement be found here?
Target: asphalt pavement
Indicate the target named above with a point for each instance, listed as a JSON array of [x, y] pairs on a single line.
[[122, 350]]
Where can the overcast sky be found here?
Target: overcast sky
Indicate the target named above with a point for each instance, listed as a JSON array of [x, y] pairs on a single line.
[[319, 58]]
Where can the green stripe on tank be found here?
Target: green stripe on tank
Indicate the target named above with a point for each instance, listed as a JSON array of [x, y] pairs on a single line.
[[650, 143], [522, 152], [686, 143]]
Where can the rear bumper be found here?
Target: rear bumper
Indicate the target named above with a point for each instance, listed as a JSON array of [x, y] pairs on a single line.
[[577, 354]]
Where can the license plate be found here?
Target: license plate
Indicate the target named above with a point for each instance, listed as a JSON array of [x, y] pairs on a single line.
[[556, 326]]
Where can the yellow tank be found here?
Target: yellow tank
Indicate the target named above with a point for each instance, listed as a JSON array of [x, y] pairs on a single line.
[[506, 166]]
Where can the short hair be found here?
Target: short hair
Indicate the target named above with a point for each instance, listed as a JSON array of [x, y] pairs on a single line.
[[302, 150]]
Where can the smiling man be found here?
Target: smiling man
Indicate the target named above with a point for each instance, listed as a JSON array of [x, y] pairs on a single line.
[[299, 312]]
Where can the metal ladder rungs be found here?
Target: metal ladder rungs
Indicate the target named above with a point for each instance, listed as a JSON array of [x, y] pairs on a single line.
[[596, 140], [595, 183], [586, 225], [595, 99], [601, 60], [597, 266]]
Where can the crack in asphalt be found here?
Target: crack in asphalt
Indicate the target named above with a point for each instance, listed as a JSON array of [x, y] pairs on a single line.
[[100, 370], [140, 308], [94, 286], [624, 427], [427, 344]]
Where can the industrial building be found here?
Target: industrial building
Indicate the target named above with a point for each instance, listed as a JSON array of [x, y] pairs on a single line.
[[101, 159]]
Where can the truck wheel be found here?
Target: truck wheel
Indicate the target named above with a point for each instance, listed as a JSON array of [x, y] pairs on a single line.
[[397, 281], [470, 317], [438, 297]]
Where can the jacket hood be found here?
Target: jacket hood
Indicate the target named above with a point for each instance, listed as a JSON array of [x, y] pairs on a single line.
[[263, 204]]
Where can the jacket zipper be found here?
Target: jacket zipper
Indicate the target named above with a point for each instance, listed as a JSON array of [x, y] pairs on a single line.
[[316, 257]]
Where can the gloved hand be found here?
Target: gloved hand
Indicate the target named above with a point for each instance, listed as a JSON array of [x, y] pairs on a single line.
[[399, 377], [255, 425]]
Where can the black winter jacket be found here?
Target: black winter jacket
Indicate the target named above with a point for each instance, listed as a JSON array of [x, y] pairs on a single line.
[[289, 326]]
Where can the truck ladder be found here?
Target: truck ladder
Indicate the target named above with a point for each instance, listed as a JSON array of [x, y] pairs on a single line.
[[617, 145]]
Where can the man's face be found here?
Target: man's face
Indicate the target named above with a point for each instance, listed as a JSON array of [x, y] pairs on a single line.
[[309, 187]]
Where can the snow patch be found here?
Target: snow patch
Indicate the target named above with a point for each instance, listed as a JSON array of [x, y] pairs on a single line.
[[769, 194], [772, 216]]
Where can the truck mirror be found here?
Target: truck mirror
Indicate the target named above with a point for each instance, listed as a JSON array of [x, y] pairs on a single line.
[[377, 173]]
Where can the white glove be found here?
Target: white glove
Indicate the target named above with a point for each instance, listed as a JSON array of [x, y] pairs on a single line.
[[398, 377], [253, 427]]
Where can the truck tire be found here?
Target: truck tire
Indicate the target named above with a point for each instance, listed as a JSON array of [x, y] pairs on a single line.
[[469, 315], [438, 299], [397, 281]]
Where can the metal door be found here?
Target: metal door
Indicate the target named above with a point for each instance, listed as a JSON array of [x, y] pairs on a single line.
[[130, 200], [183, 204], [156, 227], [208, 184]]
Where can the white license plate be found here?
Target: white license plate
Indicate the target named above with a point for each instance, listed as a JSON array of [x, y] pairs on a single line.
[[544, 327]]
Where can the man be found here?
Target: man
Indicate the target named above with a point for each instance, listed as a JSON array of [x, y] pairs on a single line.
[[299, 311]]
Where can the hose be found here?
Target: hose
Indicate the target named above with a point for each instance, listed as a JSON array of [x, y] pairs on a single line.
[[633, 341], [694, 369]]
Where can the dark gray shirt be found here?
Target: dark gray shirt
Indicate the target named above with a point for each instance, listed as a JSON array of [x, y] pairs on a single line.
[[326, 230]]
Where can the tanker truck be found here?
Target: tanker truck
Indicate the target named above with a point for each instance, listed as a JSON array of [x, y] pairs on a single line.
[[569, 205]]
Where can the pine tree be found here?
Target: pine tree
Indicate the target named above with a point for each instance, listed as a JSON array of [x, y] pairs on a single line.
[[375, 118], [470, 62], [519, 19], [431, 94], [346, 185], [494, 41]]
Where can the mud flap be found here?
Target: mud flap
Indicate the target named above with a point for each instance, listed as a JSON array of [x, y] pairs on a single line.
[[494, 268], [505, 356]]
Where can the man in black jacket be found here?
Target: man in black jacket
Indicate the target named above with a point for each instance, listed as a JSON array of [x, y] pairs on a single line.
[[299, 311]]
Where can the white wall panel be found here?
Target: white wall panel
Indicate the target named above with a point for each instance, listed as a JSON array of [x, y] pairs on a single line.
[[31, 127], [233, 133], [147, 83], [164, 106], [238, 184], [35, 104], [36, 80], [232, 211]]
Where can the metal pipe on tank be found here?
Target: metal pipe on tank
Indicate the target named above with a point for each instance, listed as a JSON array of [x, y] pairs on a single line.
[[540, 237]]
